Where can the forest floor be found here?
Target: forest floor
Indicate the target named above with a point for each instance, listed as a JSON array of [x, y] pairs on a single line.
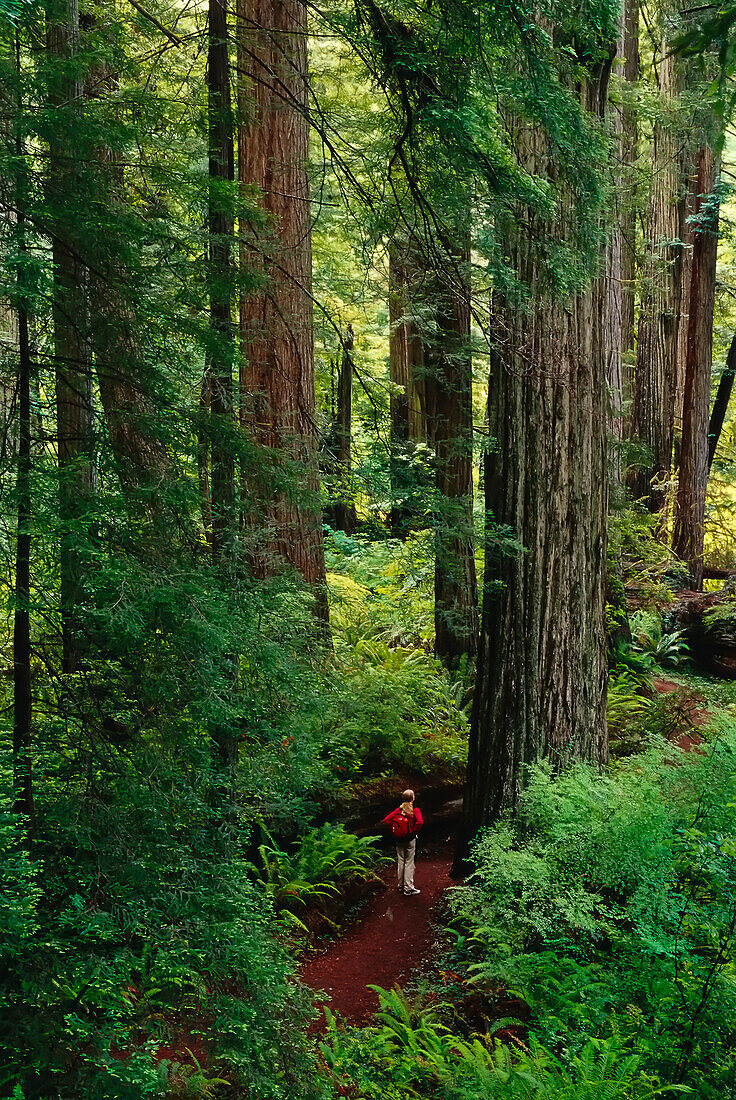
[[392, 936]]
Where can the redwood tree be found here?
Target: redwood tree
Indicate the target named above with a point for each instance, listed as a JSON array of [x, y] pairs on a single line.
[[689, 526], [541, 682], [661, 299], [449, 383], [71, 345], [277, 372], [341, 513], [219, 364], [407, 373]]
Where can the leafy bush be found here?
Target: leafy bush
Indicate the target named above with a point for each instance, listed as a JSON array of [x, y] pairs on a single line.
[[611, 908], [135, 920], [386, 585], [392, 708], [318, 862], [667, 649], [412, 1053], [722, 614], [624, 703]]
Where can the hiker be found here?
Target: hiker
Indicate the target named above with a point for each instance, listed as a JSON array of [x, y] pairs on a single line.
[[405, 822]]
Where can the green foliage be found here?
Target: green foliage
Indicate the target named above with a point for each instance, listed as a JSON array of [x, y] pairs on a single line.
[[192, 1081], [389, 709], [319, 862], [611, 909], [650, 570], [410, 1052], [667, 649], [721, 615], [391, 704], [146, 927], [624, 702]]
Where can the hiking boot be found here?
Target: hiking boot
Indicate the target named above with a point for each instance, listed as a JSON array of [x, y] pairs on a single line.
[[411, 890]]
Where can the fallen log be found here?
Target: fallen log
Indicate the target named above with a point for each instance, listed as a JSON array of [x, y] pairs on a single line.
[[711, 638]]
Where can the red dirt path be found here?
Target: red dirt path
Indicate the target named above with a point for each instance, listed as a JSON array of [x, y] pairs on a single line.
[[394, 934]]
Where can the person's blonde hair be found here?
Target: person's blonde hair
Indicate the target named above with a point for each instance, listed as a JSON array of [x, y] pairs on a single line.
[[407, 804]]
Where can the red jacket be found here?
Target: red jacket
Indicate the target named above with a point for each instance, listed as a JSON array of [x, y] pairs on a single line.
[[415, 820]]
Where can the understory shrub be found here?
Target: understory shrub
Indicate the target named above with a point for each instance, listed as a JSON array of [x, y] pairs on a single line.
[[610, 907], [136, 945], [411, 1053], [315, 866]]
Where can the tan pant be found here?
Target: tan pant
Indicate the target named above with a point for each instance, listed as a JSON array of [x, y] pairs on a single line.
[[405, 857]]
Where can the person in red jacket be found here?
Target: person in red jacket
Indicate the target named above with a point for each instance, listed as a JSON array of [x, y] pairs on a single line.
[[405, 822]]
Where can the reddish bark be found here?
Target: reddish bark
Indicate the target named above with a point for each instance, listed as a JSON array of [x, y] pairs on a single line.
[[689, 527], [661, 302], [277, 371]]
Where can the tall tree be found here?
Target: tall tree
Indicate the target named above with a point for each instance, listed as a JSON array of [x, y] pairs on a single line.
[[342, 512], [541, 681], [689, 526], [661, 300], [219, 364], [277, 374], [720, 405], [449, 383], [22, 687], [629, 152], [71, 348], [407, 374]]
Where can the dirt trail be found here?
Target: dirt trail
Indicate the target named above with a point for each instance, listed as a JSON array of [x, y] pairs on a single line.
[[384, 947]]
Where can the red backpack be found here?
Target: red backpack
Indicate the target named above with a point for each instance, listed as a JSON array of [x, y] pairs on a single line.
[[401, 825]]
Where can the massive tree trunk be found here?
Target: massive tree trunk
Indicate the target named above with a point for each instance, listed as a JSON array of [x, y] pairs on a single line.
[[687, 210], [541, 683], [449, 383], [689, 526], [277, 372], [71, 347], [219, 364], [656, 361]]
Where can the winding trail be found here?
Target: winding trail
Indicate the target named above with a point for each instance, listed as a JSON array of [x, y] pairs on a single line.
[[384, 947]]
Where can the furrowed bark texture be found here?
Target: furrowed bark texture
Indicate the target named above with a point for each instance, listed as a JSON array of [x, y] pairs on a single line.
[[71, 348], [541, 684], [656, 361], [449, 382], [689, 526], [277, 373], [687, 210]]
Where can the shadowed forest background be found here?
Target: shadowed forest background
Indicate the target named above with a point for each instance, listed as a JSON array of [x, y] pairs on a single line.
[[365, 377]]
